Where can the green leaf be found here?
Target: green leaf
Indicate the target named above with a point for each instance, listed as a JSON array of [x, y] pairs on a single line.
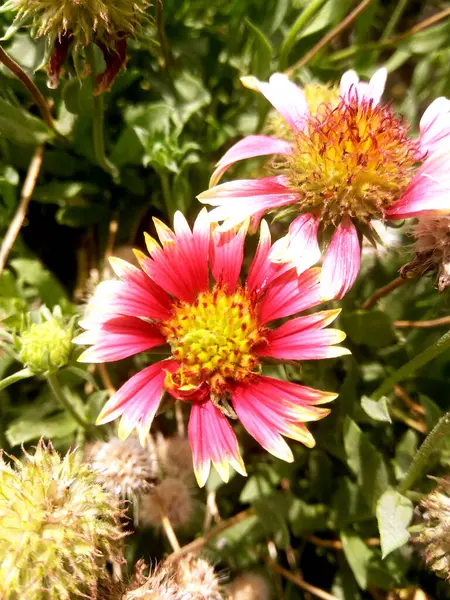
[[22, 374], [23, 430], [394, 513], [358, 556], [372, 328], [404, 453], [262, 483], [61, 192], [269, 511], [377, 410], [304, 517], [20, 127], [262, 52], [366, 462], [30, 272]]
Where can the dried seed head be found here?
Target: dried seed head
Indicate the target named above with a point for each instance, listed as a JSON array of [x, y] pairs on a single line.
[[158, 585], [59, 527], [175, 456], [249, 586], [432, 248], [436, 533], [171, 497], [125, 468], [196, 579]]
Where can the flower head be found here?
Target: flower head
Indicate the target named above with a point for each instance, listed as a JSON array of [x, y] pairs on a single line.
[[45, 346], [74, 24], [175, 456], [249, 586], [432, 249], [345, 161], [217, 337], [171, 497], [436, 533], [59, 527]]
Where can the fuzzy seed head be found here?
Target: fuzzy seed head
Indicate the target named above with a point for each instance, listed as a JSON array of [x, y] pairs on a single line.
[[58, 528], [84, 21], [175, 455], [249, 586], [158, 585], [213, 339], [125, 468], [353, 159], [436, 534], [171, 497], [432, 248], [197, 579], [46, 346]]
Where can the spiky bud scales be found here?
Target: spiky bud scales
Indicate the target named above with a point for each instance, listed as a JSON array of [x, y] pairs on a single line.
[[46, 346], [58, 528]]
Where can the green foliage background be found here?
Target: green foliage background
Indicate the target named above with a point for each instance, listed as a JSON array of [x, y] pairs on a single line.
[[168, 119]]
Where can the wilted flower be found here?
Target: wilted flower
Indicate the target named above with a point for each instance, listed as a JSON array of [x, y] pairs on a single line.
[[125, 468], [432, 249], [436, 533], [217, 337], [45, 347], [158, 585], [69, 25], [58, 527], [249, 586], [343, 164], [172, 498]]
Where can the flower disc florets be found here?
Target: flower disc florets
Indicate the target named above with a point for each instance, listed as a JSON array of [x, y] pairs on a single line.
[[212, 339], [58, 528], [353, 159]]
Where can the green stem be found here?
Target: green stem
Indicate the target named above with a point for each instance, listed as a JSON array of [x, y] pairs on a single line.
[[392, 23], [413, 365], [98, 117], [301, 21], [65, 402], [167, 193], [421, 459], [23, 374]]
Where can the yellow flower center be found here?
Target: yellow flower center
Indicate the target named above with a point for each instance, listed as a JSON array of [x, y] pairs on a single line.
[[213, 340], [352, 159]]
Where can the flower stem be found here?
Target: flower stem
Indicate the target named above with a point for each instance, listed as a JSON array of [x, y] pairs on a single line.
[[421, 459], [65, 402], [167, 526], [300, 22], [167, 193], [98, 121], [383, 291], [441, 345], [395, 17]]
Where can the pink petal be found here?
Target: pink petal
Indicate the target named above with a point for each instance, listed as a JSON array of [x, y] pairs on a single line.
[[119, 338], [352, 89], [137, 400], [290, 294], [269, 408], [341, 262], [227, 254], [300, 247], [305, 338], [429, 190], [285, 96], [262, 270], [249, 147], [129, 299], [181, 265], [435, 126], [212, 439], [237, 200]]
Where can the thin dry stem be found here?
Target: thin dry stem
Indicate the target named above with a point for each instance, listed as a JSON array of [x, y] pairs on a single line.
[[442, 321], [112, 232], [181, 428], [25, 197], [312, 589], [329, 36], [106, 379], [167, 526], [400, 393], [422, 25], [212, 511], [337, 544], [417, 425], [381, 292], [197, 545]]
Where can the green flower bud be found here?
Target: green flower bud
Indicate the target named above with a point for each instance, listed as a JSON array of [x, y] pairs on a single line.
[[45, 347], [58, 528]]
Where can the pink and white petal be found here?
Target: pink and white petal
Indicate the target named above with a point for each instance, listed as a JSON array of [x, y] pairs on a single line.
[[137, 400], [119, 338], [341, 263], [376, 85], [348, 85], [304, 338], [262, 270], [226, 256], [300, 247], [289, 294], [249, 147], [353, 89], [435, 126], [429, 191], [212, 440], [285, 96], [293, 392]]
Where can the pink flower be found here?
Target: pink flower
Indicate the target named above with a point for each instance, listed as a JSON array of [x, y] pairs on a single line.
[[345, 161], [216, 337]]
